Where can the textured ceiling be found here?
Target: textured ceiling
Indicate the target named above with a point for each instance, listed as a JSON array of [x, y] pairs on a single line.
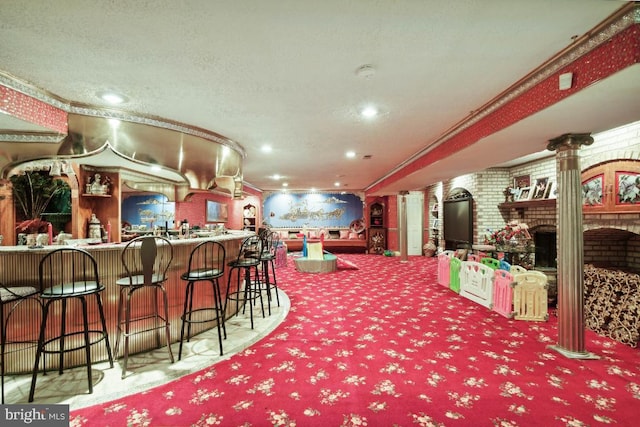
[[283, 73]]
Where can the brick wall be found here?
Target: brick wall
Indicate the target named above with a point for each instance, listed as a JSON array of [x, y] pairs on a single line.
[[612, 248], [487, 188], [488, 195], [633, 253], [486, 199], [606, 248]]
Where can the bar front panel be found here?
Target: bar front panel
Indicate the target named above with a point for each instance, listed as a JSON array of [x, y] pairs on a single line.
[[19, 266]]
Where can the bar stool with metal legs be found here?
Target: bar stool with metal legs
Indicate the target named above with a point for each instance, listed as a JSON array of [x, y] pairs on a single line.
[[270, 241], [12, 297], [66, 274], [146, 260], [206, 264], [247, 290]]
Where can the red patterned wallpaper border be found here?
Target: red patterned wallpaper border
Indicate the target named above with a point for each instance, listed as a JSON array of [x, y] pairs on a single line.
[[26, 108]]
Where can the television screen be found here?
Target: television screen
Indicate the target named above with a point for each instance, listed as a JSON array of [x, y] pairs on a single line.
[[458, 220], [216, 212]]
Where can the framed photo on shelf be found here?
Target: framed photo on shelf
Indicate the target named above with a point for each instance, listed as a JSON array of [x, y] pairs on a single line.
[[540, 188], [552, 190], [516, 193], [522, 181], [525, 194]]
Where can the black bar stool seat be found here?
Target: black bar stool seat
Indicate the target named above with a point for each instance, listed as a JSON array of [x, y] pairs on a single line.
[[270, 242], [12, 297], [206, 264], [146, 260], [247, 277], [66, 274]]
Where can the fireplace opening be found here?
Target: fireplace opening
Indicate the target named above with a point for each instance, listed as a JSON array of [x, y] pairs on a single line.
[[612, 248], [546, 252]]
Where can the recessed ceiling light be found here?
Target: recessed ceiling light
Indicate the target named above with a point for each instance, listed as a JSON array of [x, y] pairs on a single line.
[[336, 184], [285, 184], [112, 97], [369, 112], [276, 177], [350, 154], [266, 149]]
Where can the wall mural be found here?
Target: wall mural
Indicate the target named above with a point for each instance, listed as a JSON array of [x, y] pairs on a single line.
[[147, 211], [286, 210]]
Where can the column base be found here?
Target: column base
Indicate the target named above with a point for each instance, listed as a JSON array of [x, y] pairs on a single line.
[[585, 355]]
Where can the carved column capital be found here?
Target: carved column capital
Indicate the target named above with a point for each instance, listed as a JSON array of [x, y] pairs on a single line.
[[569, 141]]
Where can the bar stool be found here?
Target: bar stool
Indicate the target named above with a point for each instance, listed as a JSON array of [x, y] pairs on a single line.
[[146, 260], [206, 264], [12, 297], [64, 274], [270, 241], [244, 267]]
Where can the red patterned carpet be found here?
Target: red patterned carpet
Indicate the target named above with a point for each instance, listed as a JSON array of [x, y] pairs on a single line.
[[384, 345]]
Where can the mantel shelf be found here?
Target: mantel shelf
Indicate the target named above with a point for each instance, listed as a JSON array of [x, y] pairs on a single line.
[[528, 204]]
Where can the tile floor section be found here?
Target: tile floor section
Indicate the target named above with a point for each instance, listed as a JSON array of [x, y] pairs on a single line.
[[145, 370]]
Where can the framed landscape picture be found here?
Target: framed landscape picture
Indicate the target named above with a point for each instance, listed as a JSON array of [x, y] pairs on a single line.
[[216, 212]]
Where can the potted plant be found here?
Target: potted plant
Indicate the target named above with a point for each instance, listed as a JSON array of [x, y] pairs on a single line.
[[32, 193]]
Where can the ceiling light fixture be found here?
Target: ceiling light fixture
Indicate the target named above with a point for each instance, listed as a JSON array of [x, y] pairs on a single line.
[[369, 112], [266, 149], [350, 154], [112, 97], [336, 184], [276, 177]]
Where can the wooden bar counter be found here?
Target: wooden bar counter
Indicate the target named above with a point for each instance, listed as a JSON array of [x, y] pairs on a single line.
[[19, 266]]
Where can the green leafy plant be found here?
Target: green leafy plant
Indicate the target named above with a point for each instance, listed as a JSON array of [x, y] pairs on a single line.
[[32, 193]]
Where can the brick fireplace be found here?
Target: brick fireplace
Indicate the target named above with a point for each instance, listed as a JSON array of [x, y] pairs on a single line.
[[610, 240], [545, 241]]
